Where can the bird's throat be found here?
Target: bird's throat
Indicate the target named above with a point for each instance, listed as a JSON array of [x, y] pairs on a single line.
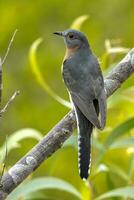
[[70, 52]]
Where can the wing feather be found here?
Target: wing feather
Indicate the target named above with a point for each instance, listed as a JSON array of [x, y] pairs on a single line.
[[85, 84], [87, 108]]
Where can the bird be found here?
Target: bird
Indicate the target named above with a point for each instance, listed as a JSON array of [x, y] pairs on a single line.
[[83, 78]]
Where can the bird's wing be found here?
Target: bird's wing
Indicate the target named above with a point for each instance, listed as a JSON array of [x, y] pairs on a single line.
[[102, 108], [85, 84], [87, 108]]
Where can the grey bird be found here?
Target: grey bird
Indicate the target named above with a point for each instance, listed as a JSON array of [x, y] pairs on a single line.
[[83, 78]]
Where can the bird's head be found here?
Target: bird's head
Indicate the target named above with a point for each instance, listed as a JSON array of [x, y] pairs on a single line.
[[73, 38]]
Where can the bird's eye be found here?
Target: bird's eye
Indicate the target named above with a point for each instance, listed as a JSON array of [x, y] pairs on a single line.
[[71, 36]]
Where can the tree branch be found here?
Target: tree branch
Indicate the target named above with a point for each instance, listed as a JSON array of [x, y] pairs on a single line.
[[11, 99], [60, 133]]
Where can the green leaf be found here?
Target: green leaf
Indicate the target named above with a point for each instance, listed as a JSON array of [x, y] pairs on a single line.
[[77, 23], [119, 131], [113, 168], [44, 184], [115, 50], [13, 141], [40, 79], [101, 168], [100, 148], [128, 94], [126, 192], [131, 167], [105, 60], [39, 195], [123, 143], [98, 145], [111, 52], [71, 142]]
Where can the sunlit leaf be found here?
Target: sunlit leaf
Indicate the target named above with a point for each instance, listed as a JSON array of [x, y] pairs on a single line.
[[98, 145], [13, 141], [130, 150], [44, 184], [123, 143], [119, 131], [38, 195], [114, 101], [77, 23], [71, 142], [86, 191], [118, 50], [115, 50], [101, 168], [128, 94], [113, 168], [126, 192], [110, 52], [40, 79], [131, 166], [105, 60], [101, 149]]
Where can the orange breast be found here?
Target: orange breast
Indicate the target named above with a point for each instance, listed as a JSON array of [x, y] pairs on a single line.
[[70, 52]]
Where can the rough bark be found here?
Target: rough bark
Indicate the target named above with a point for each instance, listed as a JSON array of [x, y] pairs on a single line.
[[61, 132]]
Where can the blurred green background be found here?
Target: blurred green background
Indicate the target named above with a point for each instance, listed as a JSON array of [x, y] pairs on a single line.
[[110, 22]]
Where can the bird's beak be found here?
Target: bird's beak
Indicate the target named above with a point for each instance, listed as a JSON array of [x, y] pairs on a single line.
[[60, 33]]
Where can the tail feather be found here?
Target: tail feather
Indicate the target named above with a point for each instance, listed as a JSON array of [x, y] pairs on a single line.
[[84, 143]]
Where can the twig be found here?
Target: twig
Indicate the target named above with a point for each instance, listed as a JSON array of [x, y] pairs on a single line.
[[9, 46], [4, 163], [4, 59], [9, 102], [60, 133]]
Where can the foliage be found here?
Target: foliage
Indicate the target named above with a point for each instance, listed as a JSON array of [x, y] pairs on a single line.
[[45, 184], [39, 77], [112, 173]]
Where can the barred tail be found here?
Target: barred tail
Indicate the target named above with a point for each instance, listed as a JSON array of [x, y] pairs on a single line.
[[84, 143]]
